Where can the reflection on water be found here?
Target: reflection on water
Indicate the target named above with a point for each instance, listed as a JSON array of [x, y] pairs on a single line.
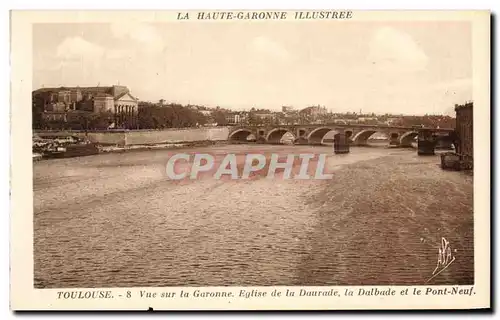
[[115, 220]]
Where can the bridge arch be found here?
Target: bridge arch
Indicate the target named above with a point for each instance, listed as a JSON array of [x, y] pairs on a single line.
[[407, 138], [240, 135], [275, 135], [361, 138], [316, 136], [348, 135], [329, 137]]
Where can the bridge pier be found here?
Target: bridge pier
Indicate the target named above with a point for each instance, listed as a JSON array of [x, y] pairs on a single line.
[[394, 140], [426, 142], [341, 143]]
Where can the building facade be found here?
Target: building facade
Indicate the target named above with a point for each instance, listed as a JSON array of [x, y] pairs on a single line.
[[117, 100], [464, 129], [233, 118], [312, 114]]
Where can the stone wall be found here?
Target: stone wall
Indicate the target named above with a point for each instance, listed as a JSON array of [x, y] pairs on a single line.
[[139, 137], [105, 138], [174, 136]]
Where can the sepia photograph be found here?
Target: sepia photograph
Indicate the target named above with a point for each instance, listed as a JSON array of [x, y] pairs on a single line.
[[306, 149]]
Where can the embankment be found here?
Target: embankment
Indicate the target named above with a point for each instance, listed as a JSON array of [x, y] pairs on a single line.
[[145, 137]]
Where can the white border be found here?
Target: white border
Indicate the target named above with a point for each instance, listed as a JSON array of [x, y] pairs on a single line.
[[92, 4]]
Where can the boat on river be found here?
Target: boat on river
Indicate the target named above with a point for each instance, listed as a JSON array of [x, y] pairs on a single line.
[[74, 150], [64, 147]]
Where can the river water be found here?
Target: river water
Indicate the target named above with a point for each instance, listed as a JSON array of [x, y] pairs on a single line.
[[116, 220]]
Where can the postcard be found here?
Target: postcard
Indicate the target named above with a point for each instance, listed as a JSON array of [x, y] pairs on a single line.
[[250, 160]]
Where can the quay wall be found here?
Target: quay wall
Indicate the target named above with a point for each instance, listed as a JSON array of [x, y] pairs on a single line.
[[105, 138], [146, 137], [173, 136]]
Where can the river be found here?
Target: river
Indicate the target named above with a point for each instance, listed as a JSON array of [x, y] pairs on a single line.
[[116, 220]]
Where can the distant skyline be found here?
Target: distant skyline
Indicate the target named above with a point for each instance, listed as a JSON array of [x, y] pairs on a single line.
[[380, 67]]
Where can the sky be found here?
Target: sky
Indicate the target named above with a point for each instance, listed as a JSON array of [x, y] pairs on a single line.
[[381, 67]]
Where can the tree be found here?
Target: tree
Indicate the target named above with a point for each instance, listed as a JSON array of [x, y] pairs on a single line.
[[253, 119], [220, 118], [152, 116], [103, 120], [278, 119]]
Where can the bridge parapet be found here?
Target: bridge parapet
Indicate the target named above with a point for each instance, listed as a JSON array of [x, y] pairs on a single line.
[[314, 133]]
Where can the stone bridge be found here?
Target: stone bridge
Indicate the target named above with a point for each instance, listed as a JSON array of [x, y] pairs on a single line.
[[315, 134]]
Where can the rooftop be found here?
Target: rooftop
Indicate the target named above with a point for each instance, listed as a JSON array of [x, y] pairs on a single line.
[[464, 106], [115, 91]]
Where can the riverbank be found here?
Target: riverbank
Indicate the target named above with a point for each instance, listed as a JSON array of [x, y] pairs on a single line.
[[207, 143], [180, 145], [144, 137], [103, 149]]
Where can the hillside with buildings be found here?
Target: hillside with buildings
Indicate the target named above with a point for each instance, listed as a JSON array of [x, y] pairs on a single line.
[[115, 107]]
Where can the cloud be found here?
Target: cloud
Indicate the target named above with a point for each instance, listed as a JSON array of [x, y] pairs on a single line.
[[396, 50], [78, 48], [117, 54], [146, 35], [269, 47]]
